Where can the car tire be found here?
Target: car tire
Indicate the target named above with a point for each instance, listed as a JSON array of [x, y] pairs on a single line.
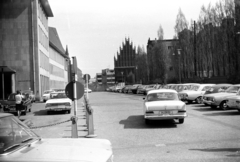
[[181, 121], [213, 106], [223, 105], [147, 121], [189, 102], [198, 100]]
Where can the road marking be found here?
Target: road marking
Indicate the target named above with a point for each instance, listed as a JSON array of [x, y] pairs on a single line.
[[160, 145]]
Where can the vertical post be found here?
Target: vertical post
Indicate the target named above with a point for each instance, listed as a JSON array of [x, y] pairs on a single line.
[[74, 118], [194, 48], [87, 85], [179, 66], [3, 95]]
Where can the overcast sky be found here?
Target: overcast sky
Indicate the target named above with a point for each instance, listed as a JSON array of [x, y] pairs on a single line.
[[94, 30]]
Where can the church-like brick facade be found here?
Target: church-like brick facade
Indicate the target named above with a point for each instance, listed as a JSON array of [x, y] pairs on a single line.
[[125, 63]]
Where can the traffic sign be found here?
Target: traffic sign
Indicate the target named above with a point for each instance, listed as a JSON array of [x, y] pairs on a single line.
[[86, 77], [69, 90]]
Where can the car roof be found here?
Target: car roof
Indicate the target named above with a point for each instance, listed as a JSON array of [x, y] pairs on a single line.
[[5, 114], [162, 90]]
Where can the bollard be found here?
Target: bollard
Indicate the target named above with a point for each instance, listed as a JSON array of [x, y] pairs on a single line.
[[90, 127], [74, 127]]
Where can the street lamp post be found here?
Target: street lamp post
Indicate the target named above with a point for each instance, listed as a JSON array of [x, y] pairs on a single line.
[[122, 75], [179, 67]]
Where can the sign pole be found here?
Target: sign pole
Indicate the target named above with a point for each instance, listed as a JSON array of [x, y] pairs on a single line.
[[87, 86], [74, 118], [75, 95]]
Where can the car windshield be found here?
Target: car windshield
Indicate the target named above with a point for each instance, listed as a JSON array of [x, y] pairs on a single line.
[[206, 88], [233, 89], [57, 95], [13, 134], [11, 97], [162, 96], [47, 92], [195, 87]]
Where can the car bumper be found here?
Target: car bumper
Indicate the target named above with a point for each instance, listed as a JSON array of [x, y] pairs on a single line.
[[166, 116], [210, 103], [58, 108]]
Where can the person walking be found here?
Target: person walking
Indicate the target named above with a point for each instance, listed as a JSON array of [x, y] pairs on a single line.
[[19, 100]]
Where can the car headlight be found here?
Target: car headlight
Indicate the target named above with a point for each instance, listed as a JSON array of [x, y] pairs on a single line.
[[67, 104], [47, 105], [213, 100]]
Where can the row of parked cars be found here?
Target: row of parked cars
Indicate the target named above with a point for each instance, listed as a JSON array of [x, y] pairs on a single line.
[[224, 96]]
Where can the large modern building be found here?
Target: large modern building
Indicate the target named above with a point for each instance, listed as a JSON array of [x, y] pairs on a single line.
[[31, 54], [125, 63]]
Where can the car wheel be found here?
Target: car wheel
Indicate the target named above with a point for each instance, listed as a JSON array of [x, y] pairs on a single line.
[[213, 106], [199, 100], [189, 102], [147, 121], [181, 121], [223, 105]]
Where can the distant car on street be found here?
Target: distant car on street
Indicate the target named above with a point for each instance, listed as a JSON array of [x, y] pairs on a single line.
[[163, 104], [58, 102], [46, 95], [87, 90], [18, 143]]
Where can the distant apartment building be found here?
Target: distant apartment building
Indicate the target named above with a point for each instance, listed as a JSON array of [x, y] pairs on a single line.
[[106, 77], [170, 46], [31, 54]]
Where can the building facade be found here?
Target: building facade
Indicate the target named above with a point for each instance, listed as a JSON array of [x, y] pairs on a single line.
[[170, 48], [29, 59], [125, 63]]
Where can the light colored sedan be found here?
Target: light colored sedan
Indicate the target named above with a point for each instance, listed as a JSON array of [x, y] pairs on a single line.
[[163, 104], [219, 99], [195, 93], [234, 101], [18, 143], [46, 95], [58, 102]]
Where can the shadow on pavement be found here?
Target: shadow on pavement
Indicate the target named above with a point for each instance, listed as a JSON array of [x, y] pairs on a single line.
[[235, 150], [224, 113], [44, 112], [137, 122]]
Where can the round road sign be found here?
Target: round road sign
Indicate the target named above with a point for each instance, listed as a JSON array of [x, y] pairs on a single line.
[[69, 90]]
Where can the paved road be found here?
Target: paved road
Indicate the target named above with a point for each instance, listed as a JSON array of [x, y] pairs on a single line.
[[206, 135]]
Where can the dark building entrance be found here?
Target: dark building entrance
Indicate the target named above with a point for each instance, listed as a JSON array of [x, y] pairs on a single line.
[[6, 82]]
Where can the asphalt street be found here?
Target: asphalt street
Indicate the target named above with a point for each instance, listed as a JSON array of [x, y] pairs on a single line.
[[206, 135]]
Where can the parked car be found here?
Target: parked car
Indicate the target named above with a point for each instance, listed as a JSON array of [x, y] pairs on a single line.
[[149, 88], [218, 88], [141, 89], [219, 99], [163, 104], [31, 95], [234, 101], [9, 105], [46, 95], [133, 88], [21, 144], [194, 94], [87, 90], [58, 102], [125, 89]]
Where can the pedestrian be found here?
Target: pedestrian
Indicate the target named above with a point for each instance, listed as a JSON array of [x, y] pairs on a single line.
[[19, 103]]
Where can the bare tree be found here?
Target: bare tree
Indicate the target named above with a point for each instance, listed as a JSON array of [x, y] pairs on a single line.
[[181, 22], [160, 33]]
